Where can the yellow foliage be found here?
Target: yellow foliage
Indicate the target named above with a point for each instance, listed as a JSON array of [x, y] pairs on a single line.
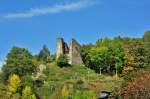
[[129, 59], [65, 91], [126, 70], [14, 83], [27, 91]]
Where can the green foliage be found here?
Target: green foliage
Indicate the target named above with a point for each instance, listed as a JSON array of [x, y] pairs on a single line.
[[106, 56], [85, 95], [27, 81], [44, 55], [104, 42], [118, 54], [62, 61], [80, 82], [65, 92], [85, 49], [27, 93], [146, 39], [98, 57], [46, 90], [19, 61]]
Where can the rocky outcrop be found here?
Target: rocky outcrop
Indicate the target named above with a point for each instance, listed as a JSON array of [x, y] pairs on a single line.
[[73, 52]]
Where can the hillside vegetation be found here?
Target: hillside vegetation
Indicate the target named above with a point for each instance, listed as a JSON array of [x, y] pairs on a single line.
[[119, 66], [76, 81]]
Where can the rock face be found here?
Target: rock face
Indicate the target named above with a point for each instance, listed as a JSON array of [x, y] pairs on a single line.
[[73, 52]]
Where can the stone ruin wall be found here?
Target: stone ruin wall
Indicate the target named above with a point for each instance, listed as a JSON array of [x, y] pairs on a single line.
[[73, 52], [59, 49]]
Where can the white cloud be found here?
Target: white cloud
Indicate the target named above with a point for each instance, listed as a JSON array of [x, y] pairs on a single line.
[[52, 9]]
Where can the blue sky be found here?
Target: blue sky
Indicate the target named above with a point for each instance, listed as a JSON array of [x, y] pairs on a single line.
[[32, 23]]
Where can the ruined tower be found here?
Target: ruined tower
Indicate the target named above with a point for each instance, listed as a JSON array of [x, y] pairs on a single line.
[[59, 49], [73, 52]]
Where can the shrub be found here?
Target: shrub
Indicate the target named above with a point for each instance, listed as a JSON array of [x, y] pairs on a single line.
[[138, 87], [80, 82], [62, 61], [65, 92], [85, 95], [27, 93], [14, 83], [132, 74], [27, 81]]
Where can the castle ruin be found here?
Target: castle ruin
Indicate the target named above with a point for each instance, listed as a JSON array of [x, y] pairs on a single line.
[[73, 51]]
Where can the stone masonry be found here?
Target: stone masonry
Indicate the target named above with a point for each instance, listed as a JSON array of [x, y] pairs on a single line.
[[73, 52]]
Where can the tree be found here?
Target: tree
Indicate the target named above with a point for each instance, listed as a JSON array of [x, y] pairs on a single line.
[[14, 83], [44, 54], [104, 42], [85, 49], [62, 61], [134, 54], [118, 61], [19, 61], [106, 56], [118, 55], [146, 39], [129, 61], [98, 56]]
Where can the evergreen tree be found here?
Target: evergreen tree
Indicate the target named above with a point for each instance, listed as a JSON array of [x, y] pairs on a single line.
[[44, 54], [19, 61]]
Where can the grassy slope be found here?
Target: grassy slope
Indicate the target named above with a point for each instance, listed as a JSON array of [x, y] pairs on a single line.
[[74, 78]]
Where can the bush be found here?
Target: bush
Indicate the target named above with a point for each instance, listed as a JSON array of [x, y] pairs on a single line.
[[62, 61], [85, 95], [138, 87], [80, 82], [132, 74], [14, 83], [65, 91], [27, 93], [27, 81]]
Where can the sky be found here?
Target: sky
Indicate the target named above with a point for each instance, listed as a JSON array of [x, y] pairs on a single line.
[[32, 23]]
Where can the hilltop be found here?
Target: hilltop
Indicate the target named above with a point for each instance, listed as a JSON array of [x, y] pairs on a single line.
[[111, 68]]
